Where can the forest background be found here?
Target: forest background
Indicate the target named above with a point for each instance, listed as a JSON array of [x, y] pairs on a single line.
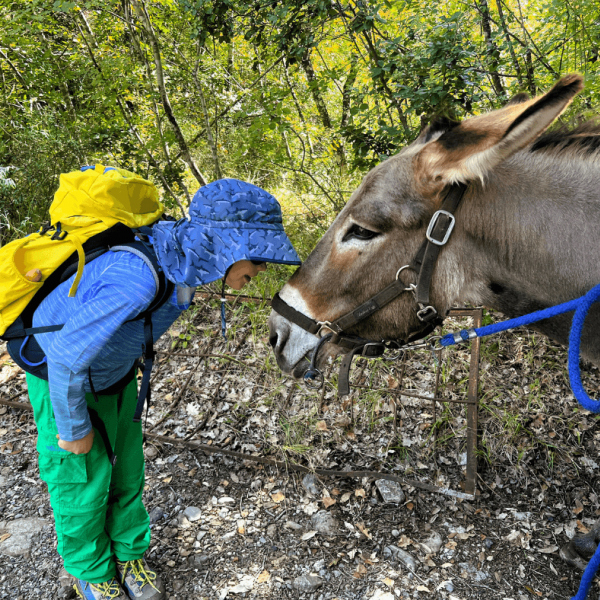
[[300, 98]]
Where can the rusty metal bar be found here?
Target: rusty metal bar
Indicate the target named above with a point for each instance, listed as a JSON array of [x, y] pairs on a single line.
[[472, 408]]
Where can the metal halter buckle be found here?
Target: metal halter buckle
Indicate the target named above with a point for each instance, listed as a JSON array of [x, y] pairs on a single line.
[[373, 349], [426, 313], [433, 223], [324, 325], [314, 379]]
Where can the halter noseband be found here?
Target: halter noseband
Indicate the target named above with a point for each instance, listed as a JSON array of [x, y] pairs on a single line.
[[438, 232]]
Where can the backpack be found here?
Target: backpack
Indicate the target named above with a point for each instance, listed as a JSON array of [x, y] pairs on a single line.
[[94, 210]]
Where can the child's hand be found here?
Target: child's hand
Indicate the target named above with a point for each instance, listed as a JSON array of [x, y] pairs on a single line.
[[82, 446]]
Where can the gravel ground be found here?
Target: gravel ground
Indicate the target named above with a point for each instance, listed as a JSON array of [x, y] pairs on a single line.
[[225, 528]]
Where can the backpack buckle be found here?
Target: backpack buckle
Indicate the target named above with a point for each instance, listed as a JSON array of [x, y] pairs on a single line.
[[59, 234]]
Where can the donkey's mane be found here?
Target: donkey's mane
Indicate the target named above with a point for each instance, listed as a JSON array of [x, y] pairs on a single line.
[[581, 139]]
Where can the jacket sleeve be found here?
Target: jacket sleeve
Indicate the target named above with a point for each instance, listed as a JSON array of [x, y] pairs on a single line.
[[125, 289]]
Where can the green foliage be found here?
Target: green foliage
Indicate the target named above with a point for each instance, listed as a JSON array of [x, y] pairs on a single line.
[[297, 96]]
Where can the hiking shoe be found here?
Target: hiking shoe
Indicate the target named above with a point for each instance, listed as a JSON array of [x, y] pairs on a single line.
[[138, 581], [109, 590]]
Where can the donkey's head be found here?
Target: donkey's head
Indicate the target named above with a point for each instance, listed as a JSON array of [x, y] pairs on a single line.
[[384, 223]]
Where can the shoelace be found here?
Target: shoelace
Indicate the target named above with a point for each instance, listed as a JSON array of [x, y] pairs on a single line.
[[138, 572], [109, 589]]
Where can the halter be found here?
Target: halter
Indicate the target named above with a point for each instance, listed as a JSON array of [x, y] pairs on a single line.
[[438, 232]]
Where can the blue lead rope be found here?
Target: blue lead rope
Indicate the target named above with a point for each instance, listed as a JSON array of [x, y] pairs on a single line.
[[581, 306]]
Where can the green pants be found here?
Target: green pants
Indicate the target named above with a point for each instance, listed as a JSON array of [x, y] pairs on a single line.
[[98, 509]]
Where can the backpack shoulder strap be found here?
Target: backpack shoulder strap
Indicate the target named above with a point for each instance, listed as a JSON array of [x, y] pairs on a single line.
[[164, 287]]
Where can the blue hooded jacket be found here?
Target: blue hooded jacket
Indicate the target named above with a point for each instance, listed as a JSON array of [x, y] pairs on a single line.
[[229, 220]]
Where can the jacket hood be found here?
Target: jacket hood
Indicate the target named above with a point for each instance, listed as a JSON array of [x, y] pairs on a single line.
[[229, 220]]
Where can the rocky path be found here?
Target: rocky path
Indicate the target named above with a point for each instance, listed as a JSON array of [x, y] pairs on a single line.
[[225, 528]]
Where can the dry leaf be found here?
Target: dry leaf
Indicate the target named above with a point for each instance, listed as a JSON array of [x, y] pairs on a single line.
[[346, 497], [364, 530], [308, 535], [278, 497], [548, 550], [360, 493], [167, 479], [5, 536], [582, 527], [193, 472], [327, 501], [3, 431], [410, 506], [389, 582], [392, 383], [532, 591], [263, 577], [422, 588], [360, 571], [404, 541], [335, 492], [8, 373], [321, 426], [451, 545]]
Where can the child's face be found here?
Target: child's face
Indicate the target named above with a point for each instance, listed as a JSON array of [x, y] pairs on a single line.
[[242, 272]]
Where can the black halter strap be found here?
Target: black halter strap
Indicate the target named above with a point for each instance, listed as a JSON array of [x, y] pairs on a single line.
[[423, 264]]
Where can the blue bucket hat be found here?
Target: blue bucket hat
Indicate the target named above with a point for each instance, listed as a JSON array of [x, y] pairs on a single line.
[[229, 220]]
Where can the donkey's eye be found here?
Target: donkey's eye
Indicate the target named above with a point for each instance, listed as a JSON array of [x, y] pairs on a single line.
[[359, 233]]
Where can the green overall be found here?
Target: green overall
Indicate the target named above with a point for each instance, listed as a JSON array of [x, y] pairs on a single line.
[[98, 509]]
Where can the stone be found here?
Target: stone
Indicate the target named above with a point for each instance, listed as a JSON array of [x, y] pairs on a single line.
[[292, 525], [488, 543], [401, 555], [65, 578], [3, 481], [198, 561], [245, 585], [432, 544], [324, 522], [390, 490], [476, 575], [226, 500], [22, 532], [381, 595], [192, 513], [307, 583], [310, 484], [66, 593], [151, 453], [156, 514]]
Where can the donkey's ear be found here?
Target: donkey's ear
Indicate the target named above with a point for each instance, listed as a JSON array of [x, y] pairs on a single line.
[[438, 126], [518, 99], [472, 149]]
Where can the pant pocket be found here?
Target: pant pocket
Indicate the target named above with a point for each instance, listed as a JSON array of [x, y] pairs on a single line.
[[70, 468]]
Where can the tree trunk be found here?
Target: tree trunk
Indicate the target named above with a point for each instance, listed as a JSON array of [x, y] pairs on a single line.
[[509, 42], [160, 80], [209, 136], [492, 50], [348, 84], [314, 89]]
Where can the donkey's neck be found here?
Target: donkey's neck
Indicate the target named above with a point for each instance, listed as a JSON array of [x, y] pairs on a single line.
[[529, 239]]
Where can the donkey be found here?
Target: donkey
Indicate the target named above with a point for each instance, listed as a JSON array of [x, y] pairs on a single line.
[[526, 235]]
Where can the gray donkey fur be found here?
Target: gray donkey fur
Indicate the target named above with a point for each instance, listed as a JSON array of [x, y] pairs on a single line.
[[527, 233]]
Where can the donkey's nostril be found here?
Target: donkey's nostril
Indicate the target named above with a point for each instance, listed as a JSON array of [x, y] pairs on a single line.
[[273, 339]]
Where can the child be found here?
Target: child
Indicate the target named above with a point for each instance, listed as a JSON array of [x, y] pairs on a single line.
[[234, 229]]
